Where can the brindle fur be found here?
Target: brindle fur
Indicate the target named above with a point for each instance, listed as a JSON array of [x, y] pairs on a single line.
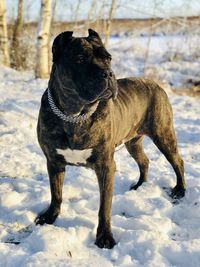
[[141, 108]]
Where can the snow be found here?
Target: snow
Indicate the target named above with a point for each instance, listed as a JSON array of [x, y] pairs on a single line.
[[149, 228], [173, 59]]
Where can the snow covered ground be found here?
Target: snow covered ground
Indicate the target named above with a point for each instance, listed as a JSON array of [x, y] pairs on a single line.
[[172, 59], [150, 230]]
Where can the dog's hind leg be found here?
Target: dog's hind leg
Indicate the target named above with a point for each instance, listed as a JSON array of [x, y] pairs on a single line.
[[135, 149], [165, 139], [56, 177]]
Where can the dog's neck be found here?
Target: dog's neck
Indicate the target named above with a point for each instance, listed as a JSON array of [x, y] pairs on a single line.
[[66, 98]]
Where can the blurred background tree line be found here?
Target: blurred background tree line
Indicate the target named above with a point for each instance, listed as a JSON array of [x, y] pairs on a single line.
[[16, 48], [26, 44]]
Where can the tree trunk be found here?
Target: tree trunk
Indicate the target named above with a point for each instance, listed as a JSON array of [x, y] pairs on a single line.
[[100, 18], [108, 26], [76, 11], [16, 53], [53, 16], [90, 13], [43, 41], [146, 56], [4, 50], [53, 13]]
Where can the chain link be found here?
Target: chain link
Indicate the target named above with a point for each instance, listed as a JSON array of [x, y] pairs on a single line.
[[61, 115]]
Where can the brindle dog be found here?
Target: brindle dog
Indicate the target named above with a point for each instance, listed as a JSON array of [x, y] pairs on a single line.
[[86, 113]]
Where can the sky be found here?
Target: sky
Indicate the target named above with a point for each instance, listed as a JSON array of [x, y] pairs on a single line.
[[65, 9]]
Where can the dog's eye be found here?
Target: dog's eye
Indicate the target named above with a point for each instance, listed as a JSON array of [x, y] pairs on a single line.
[[102, 53], [109, 58], [80, 59]]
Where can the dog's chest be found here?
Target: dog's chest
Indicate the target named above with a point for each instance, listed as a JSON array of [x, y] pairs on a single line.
[[76, 143], [75, 156]]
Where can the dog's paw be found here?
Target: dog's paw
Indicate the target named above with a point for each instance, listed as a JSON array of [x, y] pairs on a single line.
[[138, 184], [105, 240], [177, 192], [46, 217], [134, 187]]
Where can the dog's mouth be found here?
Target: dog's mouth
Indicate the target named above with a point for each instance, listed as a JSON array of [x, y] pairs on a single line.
[[108, 94]]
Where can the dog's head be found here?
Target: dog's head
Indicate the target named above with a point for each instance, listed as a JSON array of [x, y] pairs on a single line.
[[87, 63]]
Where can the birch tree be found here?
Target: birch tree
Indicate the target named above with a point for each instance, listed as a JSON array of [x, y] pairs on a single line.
[[5, 58], [100, 17], [43, 41], [53, 13], [16, 53], [90, 14], [108, 25], [76, 11]]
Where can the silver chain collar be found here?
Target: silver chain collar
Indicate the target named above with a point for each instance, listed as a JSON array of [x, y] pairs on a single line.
[[70, 118]]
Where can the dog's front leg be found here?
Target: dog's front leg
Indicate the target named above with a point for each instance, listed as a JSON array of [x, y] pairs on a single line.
[[56, 177], [105, 174]]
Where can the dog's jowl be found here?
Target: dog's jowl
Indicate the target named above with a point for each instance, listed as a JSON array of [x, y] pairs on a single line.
[[86, 113]]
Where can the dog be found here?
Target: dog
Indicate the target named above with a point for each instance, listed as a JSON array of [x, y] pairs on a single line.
[[86, 113]]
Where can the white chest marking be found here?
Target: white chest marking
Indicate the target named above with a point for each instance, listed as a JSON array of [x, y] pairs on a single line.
[[75, 156], [119, 147]]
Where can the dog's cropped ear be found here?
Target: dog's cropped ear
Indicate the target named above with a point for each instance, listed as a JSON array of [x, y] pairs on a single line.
[[59, 42], [94, 35]]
